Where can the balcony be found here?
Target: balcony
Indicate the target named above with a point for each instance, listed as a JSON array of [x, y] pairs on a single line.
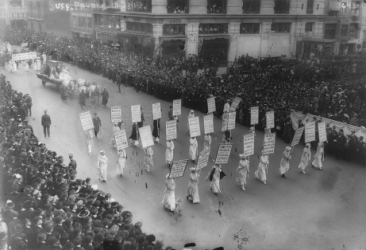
[[213, 28]]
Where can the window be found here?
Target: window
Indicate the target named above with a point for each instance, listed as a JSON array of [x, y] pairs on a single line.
[[74, 21], [251, 6], [111, 4], [139, 5], [249, 28], [15, 3], [39, 14], [353, 30], [309, 26], [355, 11], [216, 6], [344, 30], [106, 21], [310, 7], [330, 30], [174, 29], [139, 27], [281, 27], [213, 28], [282, 6], [31, 9], [178, 6]]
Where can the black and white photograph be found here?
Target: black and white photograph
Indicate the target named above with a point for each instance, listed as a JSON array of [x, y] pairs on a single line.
[[182, 124]]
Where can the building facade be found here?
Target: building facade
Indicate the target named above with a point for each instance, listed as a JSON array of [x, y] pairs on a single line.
[[12, 13], [225, 29]]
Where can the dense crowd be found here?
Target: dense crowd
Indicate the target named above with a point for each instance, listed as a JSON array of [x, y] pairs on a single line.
[[333, 89], [47, 207]]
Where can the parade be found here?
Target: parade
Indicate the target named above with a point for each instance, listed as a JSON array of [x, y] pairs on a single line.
[[252, 119]]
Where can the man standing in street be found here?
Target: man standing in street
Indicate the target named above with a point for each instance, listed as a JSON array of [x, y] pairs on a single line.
[[97, 124], [29, 104], [105, 96], [119, 80], [72, 163], [46, 123]]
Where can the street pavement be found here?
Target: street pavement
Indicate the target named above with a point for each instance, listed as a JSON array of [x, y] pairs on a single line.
[[319, 210]]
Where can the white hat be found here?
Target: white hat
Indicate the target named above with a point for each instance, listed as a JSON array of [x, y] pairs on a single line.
[[288, 148], [241, 155], [102, 152]]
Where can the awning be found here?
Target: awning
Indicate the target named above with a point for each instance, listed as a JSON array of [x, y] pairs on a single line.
[[318, 40], [171, 38], [129, 33]]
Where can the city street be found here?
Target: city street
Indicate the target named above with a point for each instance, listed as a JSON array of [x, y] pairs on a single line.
[[319, 210]]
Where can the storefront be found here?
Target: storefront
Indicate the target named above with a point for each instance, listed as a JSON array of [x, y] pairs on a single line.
[[140, 44], [214, 48], [317, 48], [173, 46]]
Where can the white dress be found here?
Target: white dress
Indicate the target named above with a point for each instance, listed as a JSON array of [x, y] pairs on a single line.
[[169, 152], [207, 143], [285, 162], [193, 148], [15, 67], [243, 170], [317, 163], [305, 158], [262, 167], [192, 191], [122, 162], [215, 182], [169, 195], [148, 158], [102, 167]]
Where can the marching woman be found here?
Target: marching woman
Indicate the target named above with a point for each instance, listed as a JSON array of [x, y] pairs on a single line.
[[102, 166], [262, 170], [285, 161], [148, 158], [134, 137], [318, 157], [192, 191], [89, 140], [169, 194], [169, 153], [114, 129], [207, 143], [214, 176], [243, 171], [156, 128], [191, 115], [305, 158], [193, 146], [121, 162]]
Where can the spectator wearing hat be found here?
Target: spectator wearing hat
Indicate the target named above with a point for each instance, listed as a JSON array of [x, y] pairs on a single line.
[[262, 170], [72, 163], [102, 166], [285, 161], [214, 178], [121, 162], [97, 124], [192, 190], [305, 158], [193, 148], [148, 158], [169, 194], [46, 123], [29, 104], [243, 171]]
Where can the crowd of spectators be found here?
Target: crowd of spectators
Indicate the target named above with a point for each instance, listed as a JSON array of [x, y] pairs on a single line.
[[47, 207], [332, 89]]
